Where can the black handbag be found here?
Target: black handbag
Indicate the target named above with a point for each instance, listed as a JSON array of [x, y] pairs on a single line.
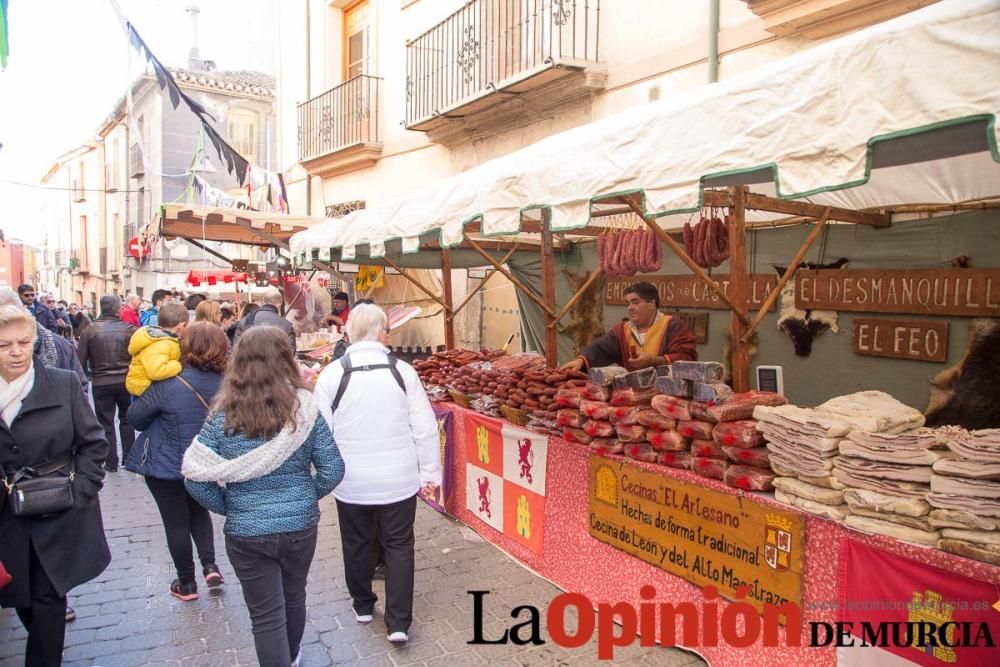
[[41, 490]]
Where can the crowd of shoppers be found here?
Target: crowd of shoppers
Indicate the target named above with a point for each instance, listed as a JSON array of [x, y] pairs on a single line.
[[227, 426]]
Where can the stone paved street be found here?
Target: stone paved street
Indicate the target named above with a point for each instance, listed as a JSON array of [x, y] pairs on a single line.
[[127, 619]]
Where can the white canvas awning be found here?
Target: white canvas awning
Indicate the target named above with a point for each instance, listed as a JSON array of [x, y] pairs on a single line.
[[901, 113]]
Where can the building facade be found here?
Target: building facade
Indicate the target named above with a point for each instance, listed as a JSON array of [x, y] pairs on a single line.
[[116, 182], [379, 98]]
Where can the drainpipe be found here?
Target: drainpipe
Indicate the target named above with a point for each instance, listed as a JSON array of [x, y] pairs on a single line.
[[309, 194], [713, 41]]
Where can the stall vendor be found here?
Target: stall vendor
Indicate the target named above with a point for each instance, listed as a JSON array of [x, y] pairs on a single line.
[[647, 338], [338, 316]]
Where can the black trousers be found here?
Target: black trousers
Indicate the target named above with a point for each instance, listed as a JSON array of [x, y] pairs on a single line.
[[392, 525], [107, 398], [272, 570], [45, 619], [183, 520]]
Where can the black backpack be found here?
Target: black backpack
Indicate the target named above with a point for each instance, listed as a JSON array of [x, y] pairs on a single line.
[[345, 362]]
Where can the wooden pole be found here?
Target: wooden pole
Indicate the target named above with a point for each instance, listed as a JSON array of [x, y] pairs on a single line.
[[698, 271], [576, 297], [549, 291], [449, 319], [773, 296], [481, 285], [517, 283], [739, 285], [423, 289]]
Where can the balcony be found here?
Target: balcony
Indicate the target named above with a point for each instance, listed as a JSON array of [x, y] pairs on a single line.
[[821, 19], [492, 51], [339, 131], [78, 262]]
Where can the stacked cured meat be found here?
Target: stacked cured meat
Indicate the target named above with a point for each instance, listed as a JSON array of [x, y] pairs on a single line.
[[965, 495], [802, 443], [887, 478], [714, 426]]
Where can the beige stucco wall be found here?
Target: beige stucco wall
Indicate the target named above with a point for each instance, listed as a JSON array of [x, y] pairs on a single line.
[[653, 49]]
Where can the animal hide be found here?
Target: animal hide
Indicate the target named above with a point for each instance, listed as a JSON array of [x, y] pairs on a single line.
[[802, 326], [966, 394], [586, 315]]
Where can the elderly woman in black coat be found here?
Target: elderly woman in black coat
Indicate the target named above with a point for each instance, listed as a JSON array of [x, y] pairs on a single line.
[[44, 417]]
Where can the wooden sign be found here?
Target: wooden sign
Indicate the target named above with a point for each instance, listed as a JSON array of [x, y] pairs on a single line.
[[901, 339], [707, 537], [687, 291], [696, 322], [961, 292]]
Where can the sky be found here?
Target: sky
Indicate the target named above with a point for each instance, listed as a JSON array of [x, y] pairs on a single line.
[[68, 66]]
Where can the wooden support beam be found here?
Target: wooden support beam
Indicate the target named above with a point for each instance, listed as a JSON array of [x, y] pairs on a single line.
[[482, 283], [739, 284], [198, 244], [449, 319], [698, 271], [789, 272], [594, 275], [517, 283], [242, 222], [549, 290], [806, 209], [423, 289]]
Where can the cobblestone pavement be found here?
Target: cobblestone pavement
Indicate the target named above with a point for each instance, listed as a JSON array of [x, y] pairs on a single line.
[[126, 618]]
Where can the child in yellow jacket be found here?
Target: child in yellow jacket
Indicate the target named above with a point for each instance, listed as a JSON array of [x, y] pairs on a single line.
[[156, 350]]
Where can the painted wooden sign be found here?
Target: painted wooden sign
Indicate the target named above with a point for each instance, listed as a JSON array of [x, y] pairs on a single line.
[[901, 339], [696, 322], [961, 292], [707, 537], [687, 291]]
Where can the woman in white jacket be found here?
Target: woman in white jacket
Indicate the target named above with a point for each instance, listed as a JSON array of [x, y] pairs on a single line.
[[388, 436]]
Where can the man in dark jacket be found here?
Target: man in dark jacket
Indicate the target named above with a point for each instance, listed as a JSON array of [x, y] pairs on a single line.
[[104, 354], [267, 315], [37, 308], [647, 338]]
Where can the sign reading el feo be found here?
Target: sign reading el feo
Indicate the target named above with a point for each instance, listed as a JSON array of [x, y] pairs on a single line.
[[900, 339], [704, 536]]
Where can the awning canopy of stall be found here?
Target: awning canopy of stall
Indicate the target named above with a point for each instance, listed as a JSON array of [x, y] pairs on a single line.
[[901, 113], [229, 225]]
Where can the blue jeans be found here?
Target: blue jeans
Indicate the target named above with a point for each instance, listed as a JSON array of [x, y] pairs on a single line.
[[272, 570]]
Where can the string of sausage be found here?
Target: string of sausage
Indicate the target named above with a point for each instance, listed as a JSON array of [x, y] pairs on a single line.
[[631, 251], [707, 243]]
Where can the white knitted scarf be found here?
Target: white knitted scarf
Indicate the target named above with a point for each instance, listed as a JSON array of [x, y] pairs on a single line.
[[13, 393], [202, 464]]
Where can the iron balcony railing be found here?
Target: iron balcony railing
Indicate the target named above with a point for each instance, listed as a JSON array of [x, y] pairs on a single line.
[[343, 116], [487, 42]]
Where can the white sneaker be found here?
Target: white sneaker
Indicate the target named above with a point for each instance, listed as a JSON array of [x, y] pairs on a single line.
[[363, 618], [398, 637], [298, 659]]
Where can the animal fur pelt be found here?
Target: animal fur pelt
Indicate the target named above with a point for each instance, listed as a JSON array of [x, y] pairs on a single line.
[[966, 394], [587, 313], [802, 326], [727, 354]]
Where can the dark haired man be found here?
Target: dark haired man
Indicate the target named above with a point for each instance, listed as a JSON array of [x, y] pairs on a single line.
[[647, 338], [340, 312], [148, 317], [43, 314]]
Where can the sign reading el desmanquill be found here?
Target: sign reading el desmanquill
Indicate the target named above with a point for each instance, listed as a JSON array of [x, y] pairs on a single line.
[[959, 292], [707, 537]]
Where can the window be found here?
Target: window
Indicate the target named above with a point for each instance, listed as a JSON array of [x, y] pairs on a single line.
[[113, 166], [356, 40], [79, 188], [243, 132], [84, 254]]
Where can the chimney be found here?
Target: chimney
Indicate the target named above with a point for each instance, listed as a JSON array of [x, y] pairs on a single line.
[[194, 56]]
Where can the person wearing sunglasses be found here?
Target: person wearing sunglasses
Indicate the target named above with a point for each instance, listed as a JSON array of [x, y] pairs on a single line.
[[43, 314]]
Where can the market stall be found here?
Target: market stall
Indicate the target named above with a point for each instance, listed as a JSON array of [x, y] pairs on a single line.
[[871, 130]]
